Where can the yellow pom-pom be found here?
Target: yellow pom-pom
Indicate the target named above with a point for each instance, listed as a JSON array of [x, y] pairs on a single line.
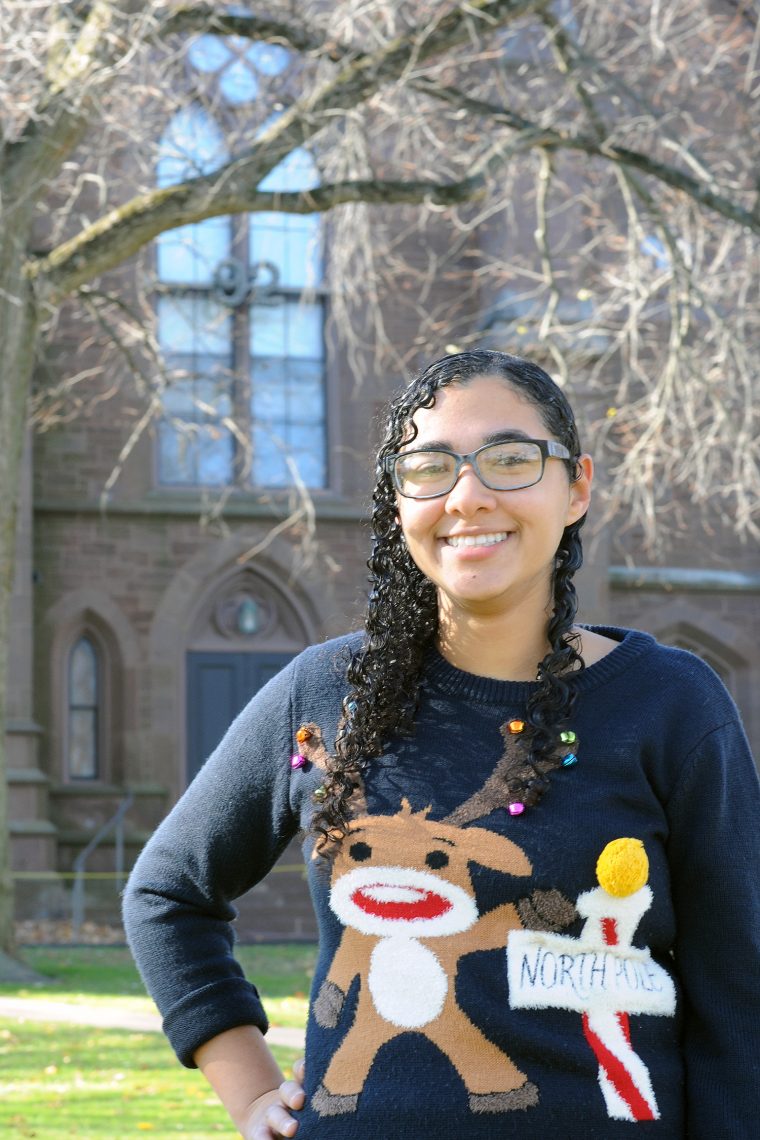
[[623, 867]]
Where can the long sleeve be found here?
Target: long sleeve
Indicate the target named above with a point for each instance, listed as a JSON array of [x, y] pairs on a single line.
[[221, 838], [714, 854]]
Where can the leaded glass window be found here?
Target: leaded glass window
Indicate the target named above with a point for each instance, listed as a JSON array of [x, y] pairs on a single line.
[[245, 405], [286, 342], [83, 752], [195, 443]]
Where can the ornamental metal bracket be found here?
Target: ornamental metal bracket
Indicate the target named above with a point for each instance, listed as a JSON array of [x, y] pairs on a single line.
[[234, 286]]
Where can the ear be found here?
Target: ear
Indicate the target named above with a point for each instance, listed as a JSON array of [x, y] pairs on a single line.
[[580, 489], [492, 850]]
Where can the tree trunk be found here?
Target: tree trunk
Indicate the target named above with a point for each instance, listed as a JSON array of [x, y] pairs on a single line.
[[18, 326]]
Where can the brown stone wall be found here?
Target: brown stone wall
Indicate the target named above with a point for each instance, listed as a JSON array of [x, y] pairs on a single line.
[[131, 562]]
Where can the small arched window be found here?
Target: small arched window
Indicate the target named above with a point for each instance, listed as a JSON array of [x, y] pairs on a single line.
[[84, 712]]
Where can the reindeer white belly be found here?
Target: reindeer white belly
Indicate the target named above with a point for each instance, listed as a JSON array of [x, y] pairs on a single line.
[[407, 982]]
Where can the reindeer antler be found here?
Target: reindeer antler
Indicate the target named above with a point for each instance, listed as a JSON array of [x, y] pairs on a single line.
[[510, 780], [312, 746], [494, 793]]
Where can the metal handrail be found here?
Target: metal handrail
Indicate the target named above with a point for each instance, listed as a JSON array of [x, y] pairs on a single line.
[[77, 891]]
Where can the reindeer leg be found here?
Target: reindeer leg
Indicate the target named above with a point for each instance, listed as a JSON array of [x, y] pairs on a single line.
[[351, 1063], [493, 1081]]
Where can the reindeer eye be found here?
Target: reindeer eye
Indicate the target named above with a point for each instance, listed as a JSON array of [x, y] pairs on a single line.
[[360, 851], [437, 859]]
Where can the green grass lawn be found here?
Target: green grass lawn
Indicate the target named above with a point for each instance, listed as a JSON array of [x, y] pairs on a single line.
[[106, 975], [66, 1080]]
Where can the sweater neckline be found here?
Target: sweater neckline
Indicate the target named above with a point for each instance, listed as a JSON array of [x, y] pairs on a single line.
[[441, 675]]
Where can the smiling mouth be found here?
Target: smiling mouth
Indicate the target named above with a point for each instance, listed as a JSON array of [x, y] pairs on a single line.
[[399, 902], [477, 539]]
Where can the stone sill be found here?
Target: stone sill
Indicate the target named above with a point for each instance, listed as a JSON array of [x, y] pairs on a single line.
[[76, 838], [688, 578], [15, 726], [32, 827], [17, 776], [183, 504], [95, 790]]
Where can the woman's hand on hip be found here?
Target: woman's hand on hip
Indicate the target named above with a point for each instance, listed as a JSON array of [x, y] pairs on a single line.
[[269, 1117]]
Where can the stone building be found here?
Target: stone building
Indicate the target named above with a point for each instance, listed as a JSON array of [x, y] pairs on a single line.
[[140, 629]]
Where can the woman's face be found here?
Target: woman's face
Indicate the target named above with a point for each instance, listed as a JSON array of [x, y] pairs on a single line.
[[523, 528]]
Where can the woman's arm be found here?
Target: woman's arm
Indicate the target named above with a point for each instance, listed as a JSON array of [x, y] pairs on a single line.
[[714, 853], [224, 835], [248, 1081]]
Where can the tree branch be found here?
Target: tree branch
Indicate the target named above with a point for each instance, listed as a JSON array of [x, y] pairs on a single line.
[[124, 231], [59, 122], [233, 187], [553, 138]]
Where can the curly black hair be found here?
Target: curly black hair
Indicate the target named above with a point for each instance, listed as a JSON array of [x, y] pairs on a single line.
[[402, 610]]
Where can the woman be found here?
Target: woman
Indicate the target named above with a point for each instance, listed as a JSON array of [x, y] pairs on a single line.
[[532, 847]]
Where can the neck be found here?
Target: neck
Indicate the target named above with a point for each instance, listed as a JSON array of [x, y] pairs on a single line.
[[501, 646]]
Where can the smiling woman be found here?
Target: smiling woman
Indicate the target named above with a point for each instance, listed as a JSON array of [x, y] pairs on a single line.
[[490, 550], [511, 826]]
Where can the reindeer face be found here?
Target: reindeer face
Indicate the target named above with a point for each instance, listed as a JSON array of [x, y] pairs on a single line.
[[390, 900], [407, 875]]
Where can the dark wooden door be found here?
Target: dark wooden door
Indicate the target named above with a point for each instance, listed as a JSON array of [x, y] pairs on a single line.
[[219, 685]]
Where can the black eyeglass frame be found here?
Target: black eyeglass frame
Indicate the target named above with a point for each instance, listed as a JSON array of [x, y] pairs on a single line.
[[549, 449]]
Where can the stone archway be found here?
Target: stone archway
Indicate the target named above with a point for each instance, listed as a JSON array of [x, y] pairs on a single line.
[[246, 629], [197, 614]]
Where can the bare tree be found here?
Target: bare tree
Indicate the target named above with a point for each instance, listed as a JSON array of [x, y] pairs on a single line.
[[592, 166]]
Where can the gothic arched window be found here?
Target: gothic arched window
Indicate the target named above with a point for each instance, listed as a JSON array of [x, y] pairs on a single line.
[[83, 712], [243, 345]]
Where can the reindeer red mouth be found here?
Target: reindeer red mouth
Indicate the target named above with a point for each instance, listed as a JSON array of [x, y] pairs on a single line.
[[395, 901]]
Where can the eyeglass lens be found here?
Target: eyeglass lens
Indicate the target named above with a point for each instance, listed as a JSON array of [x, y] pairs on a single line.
[[501, 466]]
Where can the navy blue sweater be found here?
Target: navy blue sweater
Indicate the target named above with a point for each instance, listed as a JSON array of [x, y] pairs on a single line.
[[482, 973]]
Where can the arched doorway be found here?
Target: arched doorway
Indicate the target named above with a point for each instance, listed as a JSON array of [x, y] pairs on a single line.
[[245, 631]]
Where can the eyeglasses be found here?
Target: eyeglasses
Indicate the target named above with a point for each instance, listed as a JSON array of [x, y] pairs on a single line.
[[506, 466]]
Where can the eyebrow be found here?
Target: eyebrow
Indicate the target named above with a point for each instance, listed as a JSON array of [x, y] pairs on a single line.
[[493, 437]]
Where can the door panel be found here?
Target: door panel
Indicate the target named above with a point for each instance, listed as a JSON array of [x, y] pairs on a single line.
[[219, 686]]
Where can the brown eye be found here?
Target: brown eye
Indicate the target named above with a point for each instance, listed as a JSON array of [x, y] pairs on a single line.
[[360, 851], [437, 859]]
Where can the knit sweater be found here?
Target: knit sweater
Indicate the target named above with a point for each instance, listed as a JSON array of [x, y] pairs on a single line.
[[482, 973]]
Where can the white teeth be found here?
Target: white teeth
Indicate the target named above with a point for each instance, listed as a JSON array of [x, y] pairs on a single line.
[[476, 539]]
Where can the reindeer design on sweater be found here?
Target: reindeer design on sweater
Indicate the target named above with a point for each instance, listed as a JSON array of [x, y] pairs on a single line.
[[401, 886]]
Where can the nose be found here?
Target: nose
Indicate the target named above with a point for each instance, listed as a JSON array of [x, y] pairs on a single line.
[[469, 494]]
